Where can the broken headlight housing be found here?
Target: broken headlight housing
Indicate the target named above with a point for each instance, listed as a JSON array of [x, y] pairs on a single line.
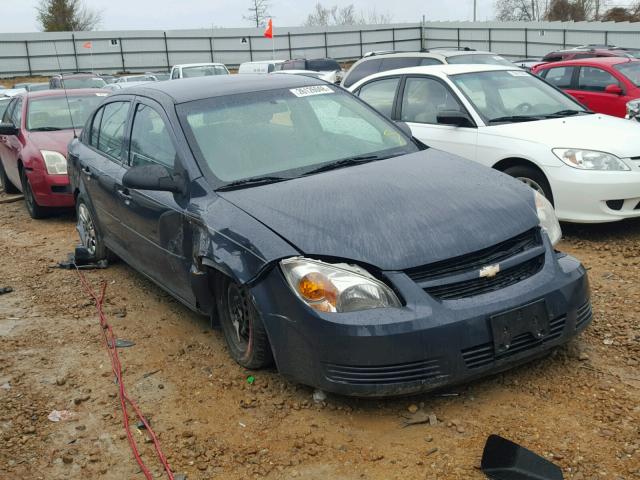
[[548, 219], [590, 159], [339, 287], [55, 162]]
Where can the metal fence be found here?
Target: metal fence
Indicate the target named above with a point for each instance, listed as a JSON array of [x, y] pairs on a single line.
[[139, 51]]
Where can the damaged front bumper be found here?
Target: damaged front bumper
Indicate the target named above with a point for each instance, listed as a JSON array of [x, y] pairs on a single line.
[[425, 345]]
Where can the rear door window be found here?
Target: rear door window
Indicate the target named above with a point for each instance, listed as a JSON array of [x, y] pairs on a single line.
[[595, 79], [364, 69], [112, 128], [380, 94], [150, 139], [561, 77]]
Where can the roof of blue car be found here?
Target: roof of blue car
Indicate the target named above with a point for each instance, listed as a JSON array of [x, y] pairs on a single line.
[[189, 89]]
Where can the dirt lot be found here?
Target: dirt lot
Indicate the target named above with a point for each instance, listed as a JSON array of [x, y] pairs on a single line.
[[580, 406]]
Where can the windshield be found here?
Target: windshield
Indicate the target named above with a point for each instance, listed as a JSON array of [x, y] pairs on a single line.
[[4, 103], [52, 113], [631, 70], [292, 132], [479, 59], [86, 82], [203, 71], [513, 93]]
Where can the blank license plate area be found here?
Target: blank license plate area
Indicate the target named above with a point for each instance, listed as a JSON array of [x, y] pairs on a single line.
[[529, 319]]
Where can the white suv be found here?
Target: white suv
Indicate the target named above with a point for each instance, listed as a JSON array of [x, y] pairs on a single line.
[[189, 70], [587, 164], [377, 62]]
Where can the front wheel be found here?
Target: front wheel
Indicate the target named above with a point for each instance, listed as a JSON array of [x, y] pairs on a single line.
[[90, 236], [532, 177], [242, 326], [35, 210]]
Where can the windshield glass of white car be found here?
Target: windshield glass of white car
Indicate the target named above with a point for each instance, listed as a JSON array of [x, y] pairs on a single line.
[[506, 96]]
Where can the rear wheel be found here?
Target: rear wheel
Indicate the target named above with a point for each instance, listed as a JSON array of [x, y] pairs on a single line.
[[532, 177], [5, 183], [242, 326], [35, 210], [90, 236]]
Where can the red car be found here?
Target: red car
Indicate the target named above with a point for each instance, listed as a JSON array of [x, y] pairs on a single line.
[[35, 131], [604, 85]]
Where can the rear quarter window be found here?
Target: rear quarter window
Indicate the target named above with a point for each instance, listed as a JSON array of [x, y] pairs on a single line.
[[364, 69]]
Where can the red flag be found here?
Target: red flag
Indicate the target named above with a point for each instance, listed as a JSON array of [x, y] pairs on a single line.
[[268, 32], [87, 44]]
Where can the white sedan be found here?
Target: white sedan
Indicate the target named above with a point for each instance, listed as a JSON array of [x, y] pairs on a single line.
[[586, 164]]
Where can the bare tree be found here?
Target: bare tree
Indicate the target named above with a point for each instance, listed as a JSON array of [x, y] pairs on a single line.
[[322, 16], [66, 15], [623, 14], [258, 12], [521, 10]]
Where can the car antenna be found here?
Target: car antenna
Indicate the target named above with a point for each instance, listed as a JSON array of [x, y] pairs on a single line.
[[66, 97]]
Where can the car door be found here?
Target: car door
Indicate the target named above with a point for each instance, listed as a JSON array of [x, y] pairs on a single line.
[[101, 169], [592, 82], [158, 233], [422, 98], [381, 94], [12, 144], [563, 78]]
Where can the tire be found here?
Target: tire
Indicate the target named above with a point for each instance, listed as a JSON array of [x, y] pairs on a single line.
[[242, 326], [92, 238], [35, 211], [532, 177], [5, 183]]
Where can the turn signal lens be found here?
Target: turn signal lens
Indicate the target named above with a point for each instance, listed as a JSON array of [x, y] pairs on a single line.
[[313, 287]]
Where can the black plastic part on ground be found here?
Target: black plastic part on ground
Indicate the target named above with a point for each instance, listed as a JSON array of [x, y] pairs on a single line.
[[4, 290], [504, 460], [82, 260]]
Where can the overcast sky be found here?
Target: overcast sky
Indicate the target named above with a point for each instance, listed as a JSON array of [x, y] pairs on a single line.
[[19, 15]]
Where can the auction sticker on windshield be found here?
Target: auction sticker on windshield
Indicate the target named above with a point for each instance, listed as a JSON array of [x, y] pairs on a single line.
[[308, 91]]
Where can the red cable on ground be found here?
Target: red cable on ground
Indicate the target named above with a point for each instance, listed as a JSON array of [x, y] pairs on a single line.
[[110, 342]]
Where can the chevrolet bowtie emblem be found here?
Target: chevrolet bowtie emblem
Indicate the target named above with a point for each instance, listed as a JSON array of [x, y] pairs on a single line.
[[489, 271]]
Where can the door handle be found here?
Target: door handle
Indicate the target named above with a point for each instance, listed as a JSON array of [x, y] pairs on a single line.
[[124, 194], [87, 172]]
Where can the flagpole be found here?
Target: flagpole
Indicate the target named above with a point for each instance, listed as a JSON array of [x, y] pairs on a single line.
[[273, 48]]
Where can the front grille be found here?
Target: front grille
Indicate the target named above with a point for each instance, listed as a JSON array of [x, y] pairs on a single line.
[[584, 314], [477, 286], [476, 260], [484, 354], [421, 371]]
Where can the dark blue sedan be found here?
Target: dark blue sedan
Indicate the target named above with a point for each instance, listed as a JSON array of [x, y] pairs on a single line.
[[321, 237]]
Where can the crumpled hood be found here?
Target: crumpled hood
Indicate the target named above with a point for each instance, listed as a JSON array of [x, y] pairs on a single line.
[[56, 141], [592, 132], [394, 214]]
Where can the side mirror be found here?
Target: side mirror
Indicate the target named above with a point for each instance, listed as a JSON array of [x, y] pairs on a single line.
[[405, 128], [613, 89], [456, 118], [8, 129], [153, 177]]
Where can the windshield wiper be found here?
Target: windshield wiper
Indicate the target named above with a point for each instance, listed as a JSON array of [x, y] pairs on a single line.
[[566, 113], [345, 162], [45, 129], [516, 118], [252, 182]]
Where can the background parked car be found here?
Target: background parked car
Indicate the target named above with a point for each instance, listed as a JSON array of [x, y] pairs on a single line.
[[136, 78], [191, 70], [4, 103], [590, 51], [605, 85], [511, 120], [76, 80], [316, 232], [159, 76], [264, 66], [112, 87], [35, 131], [32, 87], [331, 69], [376, 62]]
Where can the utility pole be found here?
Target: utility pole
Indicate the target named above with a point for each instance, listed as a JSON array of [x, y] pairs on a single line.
[[475, 4]]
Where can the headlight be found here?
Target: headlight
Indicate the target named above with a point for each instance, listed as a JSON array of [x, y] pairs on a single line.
[[633, 108], [589, 159], [55, 162], [336, 287], [548, 219]]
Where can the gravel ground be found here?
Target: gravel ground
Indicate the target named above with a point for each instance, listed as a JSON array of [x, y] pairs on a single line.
[[579, 407]]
